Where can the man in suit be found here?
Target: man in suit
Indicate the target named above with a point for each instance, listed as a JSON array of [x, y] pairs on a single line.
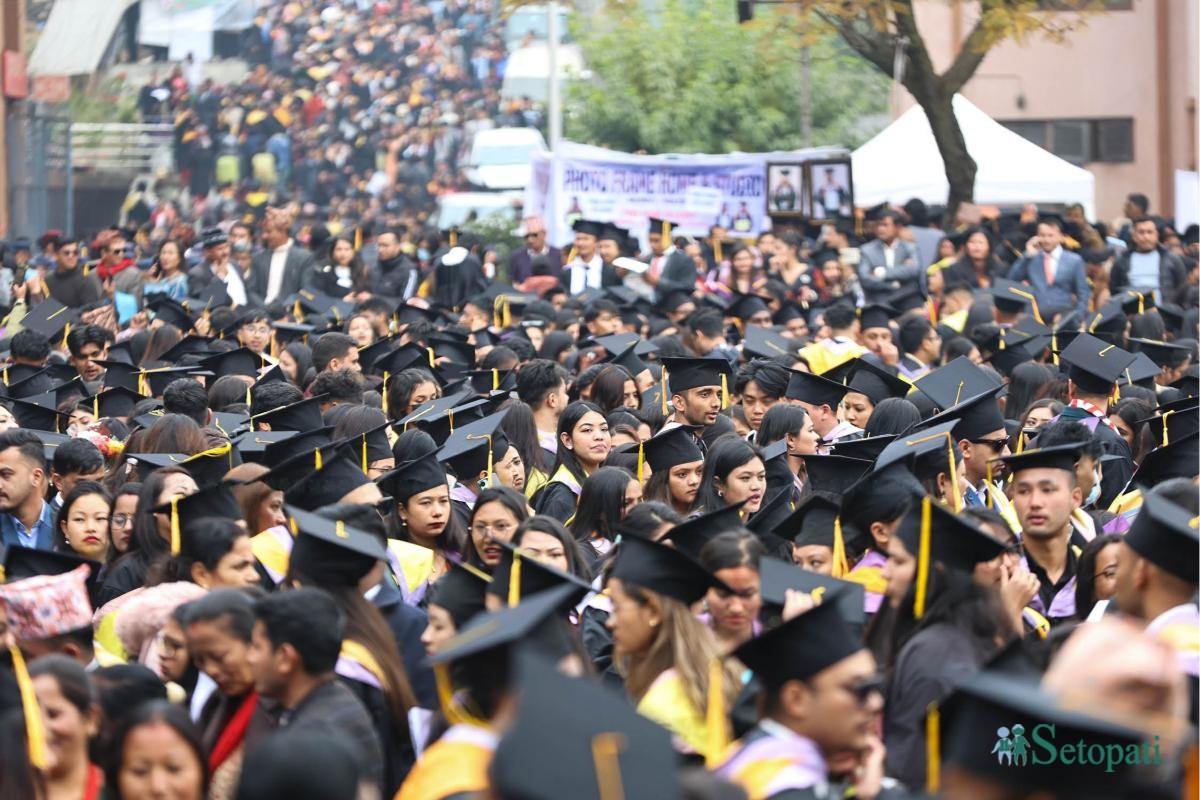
[[520, 263], [281, 269], [887, 262], [25, 516], [1058, 277]]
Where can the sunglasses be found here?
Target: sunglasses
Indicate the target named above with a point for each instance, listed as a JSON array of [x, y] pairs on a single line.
[[995, 444]]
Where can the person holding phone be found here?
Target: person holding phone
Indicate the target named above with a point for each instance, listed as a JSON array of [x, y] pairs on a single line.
[[167, 275]]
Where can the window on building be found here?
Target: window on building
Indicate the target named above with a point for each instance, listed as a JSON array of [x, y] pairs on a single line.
[[1080, 141]]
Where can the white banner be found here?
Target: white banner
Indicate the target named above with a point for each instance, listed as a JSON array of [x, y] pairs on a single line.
[[693, 192], [1187, 199]]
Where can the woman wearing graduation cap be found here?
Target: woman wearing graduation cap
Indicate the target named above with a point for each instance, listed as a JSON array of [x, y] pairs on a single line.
[[676, 469], [583, 445], [869, 385]]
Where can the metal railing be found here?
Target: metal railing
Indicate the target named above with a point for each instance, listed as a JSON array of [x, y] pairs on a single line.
[[124, 147]]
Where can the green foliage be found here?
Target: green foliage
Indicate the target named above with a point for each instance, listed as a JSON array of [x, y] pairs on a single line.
[[686, 78], [500, 232], [112, 101]]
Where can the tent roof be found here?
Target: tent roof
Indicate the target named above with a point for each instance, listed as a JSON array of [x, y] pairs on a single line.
[[75, 36], [903, 162]]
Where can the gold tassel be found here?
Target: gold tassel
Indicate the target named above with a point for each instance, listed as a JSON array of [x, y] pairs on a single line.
[[358, 239], [724, 391], [641, 468], [1115, 397], [514, 581], [384, 392], [1054, 348], [666, 234], [297, 312], [606, 751], [66, 333], [143, 384], [495, 379], [991, 502], [958, 393], [454, 237], [96, 406], [933, 744], [6, 376], [274, 345], [35, 732], [446, 693], [339, 529], [663, 379], [717, 251], [366, 466], [176, 534], [840, 565], [1165, 436], [923, 558], [318, 463], [571, 255], [429, 350], [955, 493], [714, 717], [933, 314]]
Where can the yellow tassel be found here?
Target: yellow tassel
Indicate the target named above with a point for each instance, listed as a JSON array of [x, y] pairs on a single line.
[[955, 493], [1115, 397], [840, 565], [958, 393], [366, 465], [933, 744], [715, 718], [176, 534], [1141, 302], [717, 251], [445, 693], [35, 732], [641, 468], [497, 315], [293, 526], [514, 581], [1020, 442], [318, 463], [933, 314], [1001, 340], [495, 379], [384, 392], [432, 365], [6, 376], [66, 333], [274, 345], [991, 502], [666, 235], [297, 312], [96, 406], [143, 384], [358, 237], [454, 237], [665, 408], [606, 751], [339, 529], [1165, 436], [571, 255], [923, 558], [1054, 348], [490, 466], [724, 391]]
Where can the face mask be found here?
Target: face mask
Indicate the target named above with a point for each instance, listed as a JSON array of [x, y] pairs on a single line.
[[1094, 494], [422, 254]]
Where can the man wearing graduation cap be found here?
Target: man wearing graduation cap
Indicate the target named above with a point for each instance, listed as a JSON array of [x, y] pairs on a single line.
[[698, 388], [585, 270]]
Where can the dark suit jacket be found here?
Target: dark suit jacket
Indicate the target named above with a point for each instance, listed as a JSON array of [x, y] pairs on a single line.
[[299, 263], [878, 281], [520, 264]]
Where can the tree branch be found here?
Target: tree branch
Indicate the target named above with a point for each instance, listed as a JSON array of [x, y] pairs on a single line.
[[974, 50], [874, 47]]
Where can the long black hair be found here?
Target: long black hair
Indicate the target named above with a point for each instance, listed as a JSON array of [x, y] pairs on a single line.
[[567, 421], [601, 504], [608, 389], [511, 499], [726, 455], [79, 490], [780, 420], [148, 713], [1025, 384], [521, 431], [893, 415], [576, 562], [1085, 573], [145, 544]]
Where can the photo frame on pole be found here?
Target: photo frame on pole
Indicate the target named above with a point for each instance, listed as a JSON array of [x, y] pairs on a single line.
[[787, 191], [831, 189]]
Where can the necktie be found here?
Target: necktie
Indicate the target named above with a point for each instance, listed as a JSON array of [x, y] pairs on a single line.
[[1048, 265]]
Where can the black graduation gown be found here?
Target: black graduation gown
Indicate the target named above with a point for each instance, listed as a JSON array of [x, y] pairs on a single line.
[[556, 500], [598, 644], [126, 575], [407, 624], [394, 738]]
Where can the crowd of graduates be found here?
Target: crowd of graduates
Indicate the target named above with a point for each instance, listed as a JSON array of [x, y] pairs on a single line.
[[321, 525]]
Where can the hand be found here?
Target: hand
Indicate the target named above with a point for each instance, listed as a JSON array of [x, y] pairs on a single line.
[[140, 320], [796, 603], [807, 295], [20, 291], [868, 780], [110, 291], [203, 327], [1031, 247], [1017, 588], [889, 353]]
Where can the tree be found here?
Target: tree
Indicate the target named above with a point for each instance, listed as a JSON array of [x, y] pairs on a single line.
[[885, 32], [683, 78]]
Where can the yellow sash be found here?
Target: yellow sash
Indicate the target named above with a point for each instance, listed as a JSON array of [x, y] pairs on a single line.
[[756, 777], [107, 645], [871, 579], [270, 552], [359, 654], [668, 704], [416, 562], [445, 769]]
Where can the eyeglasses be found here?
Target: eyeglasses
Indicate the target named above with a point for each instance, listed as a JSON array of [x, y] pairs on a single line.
[[995, 444], [260, 329], [501, 530], [116, 249], [122, 520]]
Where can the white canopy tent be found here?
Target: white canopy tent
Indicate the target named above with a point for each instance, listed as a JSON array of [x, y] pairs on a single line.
[[903, 162]]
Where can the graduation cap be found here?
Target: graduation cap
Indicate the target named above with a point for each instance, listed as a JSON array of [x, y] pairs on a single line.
[[671, 301], [876, 315], [1176, 460], [51, 319], [459, 351], [977, 416], [413, 477], [1167, 535], [671, 448], [303, 415], [1110, 321], [604, 747], [51, 442], [988, 701], [520, 574], [814, 522], [320, 303], [284, 333], [690, 373], [475, 447], [485, 381], [115, 402], [242, 361], [662, 569], [800, 648], [120, 373], [766, 343], [290, 445], [1006, 353], [438, 417], [335, 477], [925, 453], [905, 299], [42, 381], [1164, 354], [400, 359], [407, 314], [931, 533], [814, 389], [875, 382], [617, 343], [1010, 297], [22, 562], [214, 295], [834, 474], [183, 511], [959, 380], [745, 306], [1172, 316], [1135, 302], [1189, 384], [691, 535], [867, 449], [1063, 456], [16, 374], [253, 444], [1141, 372], [1094, 365], [461, 592], [171, 311], [38, 413], [629, 361], [368, 354], [1175, 421], [207, 467], [589, 227], [371, 445], [330, 552], [849, 597], [188, 345], [661, 227]]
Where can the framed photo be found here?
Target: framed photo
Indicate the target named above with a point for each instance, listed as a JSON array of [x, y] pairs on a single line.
[[786, 192], [831, 189]]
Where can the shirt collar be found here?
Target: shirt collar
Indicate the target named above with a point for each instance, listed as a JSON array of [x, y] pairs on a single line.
[[283, 247]]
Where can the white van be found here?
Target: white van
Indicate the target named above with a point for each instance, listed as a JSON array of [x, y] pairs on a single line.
[[500, 158], [457, 208]]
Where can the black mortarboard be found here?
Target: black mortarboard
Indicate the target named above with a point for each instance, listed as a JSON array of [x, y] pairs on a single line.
[[1172, 317], [215, 501], [1110, 321], [253, 444], [367, 354], [834, 474], [617, 343], [461, 592], [629, 360], [1177, 460], [533, 576], [330, 552], [662, 569], [120, 373], [17, 373], [991, 703], [1135, 302], [51, 442], [115, 402], [1189, 384], [73, 389], [849, 597], [242, 361], [38, 413], [1009, 296], [287, 332], [303, 415], [187, 346], [867, 449], [672, 447], [171, 312], [959, 380], [320, 303], [765, 343], [485, 381], [589, 227], [413, 477], [1010, 349], [210, 466], [658, 226], [475, 447], [977, 416], [439, 417], [908, 448], [745, 306], [906, 299], [459, 352], [1165, 354], [41, 381], [602, 749], [215, 295], [1094, 365], [157, 380], [813, 521], [1062, 456], [691, 535], [22, 562], [337, 476], [50, 318], [800, 648], [875, 382], [788, 312], [291, 445], [1141, 372], [402, 358], [814, 389], [408, 314], [673, 300], [690, 373], [371, 446], [1165, 534], [1175, 421], [876, 315]]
